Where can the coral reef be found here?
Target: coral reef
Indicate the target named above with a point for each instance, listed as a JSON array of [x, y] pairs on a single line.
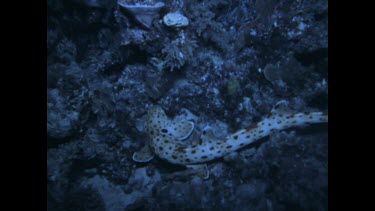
[[226, 69]]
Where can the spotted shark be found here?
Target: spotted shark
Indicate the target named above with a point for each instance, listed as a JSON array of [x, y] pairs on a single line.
[[166, 137]]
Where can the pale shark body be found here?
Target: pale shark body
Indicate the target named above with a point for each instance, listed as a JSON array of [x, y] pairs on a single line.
[[166, 135]]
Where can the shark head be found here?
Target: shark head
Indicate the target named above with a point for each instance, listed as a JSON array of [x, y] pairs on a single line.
[[158, 124]]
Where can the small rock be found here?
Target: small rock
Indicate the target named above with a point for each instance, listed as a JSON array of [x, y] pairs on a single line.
[[141, 180], [175, 20]]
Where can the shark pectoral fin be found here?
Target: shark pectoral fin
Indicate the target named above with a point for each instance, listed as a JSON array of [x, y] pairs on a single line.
[[201, 170], [208, 134], [143, 155], [180, 130], [281, 107]]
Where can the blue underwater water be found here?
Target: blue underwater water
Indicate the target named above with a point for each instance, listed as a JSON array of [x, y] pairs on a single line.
[[222, 65]]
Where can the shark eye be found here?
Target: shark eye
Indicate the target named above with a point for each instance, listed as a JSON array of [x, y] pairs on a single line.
[[164, 131]]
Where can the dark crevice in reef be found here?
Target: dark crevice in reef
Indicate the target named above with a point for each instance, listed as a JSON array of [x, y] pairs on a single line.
[[134, 54], [319, 101], [318, 58], [55, 142]]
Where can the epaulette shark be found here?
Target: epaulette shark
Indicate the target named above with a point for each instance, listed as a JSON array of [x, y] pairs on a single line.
[[165, 137]]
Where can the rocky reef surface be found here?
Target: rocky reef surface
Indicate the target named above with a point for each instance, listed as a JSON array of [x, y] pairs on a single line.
[[225, 63]]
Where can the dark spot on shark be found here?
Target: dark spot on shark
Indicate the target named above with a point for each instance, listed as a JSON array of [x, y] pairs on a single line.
[[252, 126], [181, 149]]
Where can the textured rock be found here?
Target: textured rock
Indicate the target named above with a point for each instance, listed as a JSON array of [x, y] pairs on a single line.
[[111, 195], [175, 20], [60, 120]]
